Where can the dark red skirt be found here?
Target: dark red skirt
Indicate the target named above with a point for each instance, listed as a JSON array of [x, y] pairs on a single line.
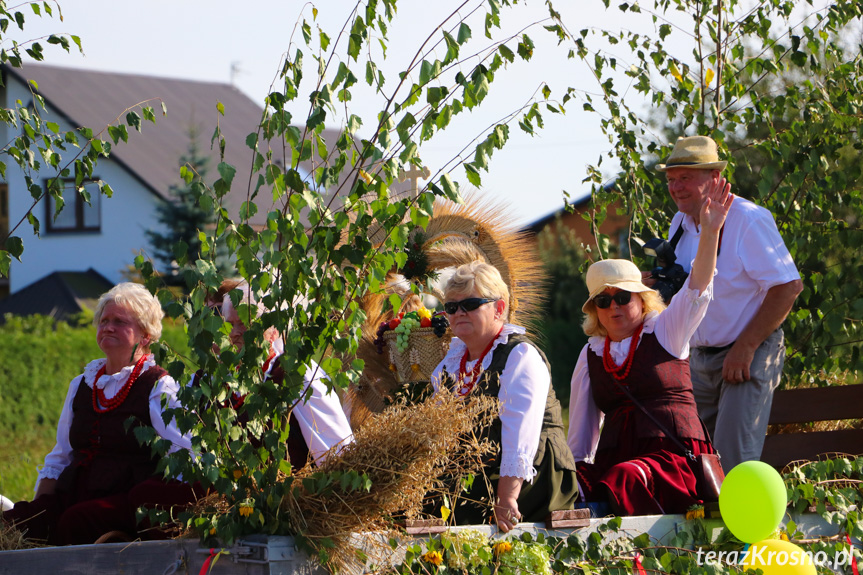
[[643, 476]]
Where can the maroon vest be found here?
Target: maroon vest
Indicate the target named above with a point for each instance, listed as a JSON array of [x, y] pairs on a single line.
[[659, 381], [106, 456]]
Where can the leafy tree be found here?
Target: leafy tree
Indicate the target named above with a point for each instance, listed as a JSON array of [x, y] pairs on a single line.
[[183, 217], [730, 78], [42, 146], [330, 239]]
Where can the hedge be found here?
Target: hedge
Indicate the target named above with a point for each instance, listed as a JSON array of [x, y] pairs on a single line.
[[38, 359]]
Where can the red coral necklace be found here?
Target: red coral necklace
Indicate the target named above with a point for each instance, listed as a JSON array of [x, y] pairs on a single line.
[[620, 372], [102, 404], [467, 385]]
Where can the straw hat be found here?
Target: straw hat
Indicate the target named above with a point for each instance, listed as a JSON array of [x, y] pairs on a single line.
[[696, 152], [621, 274]]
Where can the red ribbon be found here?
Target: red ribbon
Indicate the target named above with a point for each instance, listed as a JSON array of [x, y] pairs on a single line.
[[639, 568], [206, 566], [851, 552]]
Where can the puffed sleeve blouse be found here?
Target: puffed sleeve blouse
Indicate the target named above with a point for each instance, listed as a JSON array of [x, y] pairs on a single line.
[[524, 385], [673, 329], [61, 455], [322, 420]]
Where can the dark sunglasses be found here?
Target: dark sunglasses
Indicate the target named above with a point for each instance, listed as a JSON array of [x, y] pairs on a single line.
[[467, 305], [603, 300]]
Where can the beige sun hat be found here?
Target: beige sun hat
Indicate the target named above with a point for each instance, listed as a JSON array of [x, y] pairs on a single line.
[[621, 274], [696, 152]]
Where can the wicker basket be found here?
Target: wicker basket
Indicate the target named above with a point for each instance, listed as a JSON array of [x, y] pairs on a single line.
[[425, 351]]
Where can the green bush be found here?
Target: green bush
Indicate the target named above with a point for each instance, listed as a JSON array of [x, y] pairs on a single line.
[[38, 359]]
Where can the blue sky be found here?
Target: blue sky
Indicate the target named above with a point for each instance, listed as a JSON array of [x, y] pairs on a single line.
[[204, 39]]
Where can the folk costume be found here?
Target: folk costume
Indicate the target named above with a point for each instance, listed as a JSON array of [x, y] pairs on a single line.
[[320, 419], [528, 432], [97, 460], [631, 462]]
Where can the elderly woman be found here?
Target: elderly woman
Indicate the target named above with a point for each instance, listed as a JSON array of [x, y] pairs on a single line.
[[83, 485], [533, 472], [634, 351], [320, 418]]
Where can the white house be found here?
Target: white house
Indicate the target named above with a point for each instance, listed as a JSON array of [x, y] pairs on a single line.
[[106, 235]]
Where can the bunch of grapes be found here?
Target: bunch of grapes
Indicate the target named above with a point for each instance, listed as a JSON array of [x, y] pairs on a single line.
[[403, 331], [379, 340], [439, 322]]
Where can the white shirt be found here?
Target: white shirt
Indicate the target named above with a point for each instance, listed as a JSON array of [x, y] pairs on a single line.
[[524, 385], [322, 420], [61, 455], [673, 329], [752, 259]]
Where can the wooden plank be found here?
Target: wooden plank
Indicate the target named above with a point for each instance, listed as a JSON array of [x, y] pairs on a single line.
[[425, 526], [569, 518], [817, 404], [780, 450]]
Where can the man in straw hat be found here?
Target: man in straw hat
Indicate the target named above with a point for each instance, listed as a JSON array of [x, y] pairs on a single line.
[[738, 350]]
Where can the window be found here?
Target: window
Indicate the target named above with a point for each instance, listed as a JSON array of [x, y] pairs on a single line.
[[77, 215]]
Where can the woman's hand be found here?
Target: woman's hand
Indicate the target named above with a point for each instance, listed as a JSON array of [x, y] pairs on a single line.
[[46, 487], [506, 512], [716, 205]]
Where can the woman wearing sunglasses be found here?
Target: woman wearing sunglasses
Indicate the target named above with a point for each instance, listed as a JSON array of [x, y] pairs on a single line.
[[633, 373], [532, 472]]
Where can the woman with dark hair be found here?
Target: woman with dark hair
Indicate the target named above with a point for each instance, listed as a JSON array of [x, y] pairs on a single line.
[[83, 486], [633, 373]]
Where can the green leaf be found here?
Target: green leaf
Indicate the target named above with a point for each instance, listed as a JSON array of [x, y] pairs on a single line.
[[463, 33], [221, 108], [5, 262], [14, 246], [227, 172]]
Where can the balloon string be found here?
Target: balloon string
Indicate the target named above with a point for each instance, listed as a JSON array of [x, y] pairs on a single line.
[[639, 568]]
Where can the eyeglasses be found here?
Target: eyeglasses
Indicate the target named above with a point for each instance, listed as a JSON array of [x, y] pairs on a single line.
[[467, 305], [603, 300]]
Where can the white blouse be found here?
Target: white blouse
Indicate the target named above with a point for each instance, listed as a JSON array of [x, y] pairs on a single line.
[[524, 385], [61, 455], [322, 420], [673, 329]]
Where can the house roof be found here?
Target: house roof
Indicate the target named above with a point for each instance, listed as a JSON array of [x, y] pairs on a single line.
[[538, 225], [95, 99], [59, 295]]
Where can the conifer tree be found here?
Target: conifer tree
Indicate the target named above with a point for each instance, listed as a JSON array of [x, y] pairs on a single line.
[[183, 217]]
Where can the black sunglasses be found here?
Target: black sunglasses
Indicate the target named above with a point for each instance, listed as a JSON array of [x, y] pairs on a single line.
[[603, 300], [468, 304]]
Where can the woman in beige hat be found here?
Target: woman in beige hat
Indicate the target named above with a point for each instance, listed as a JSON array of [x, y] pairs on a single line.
[[633, 373]]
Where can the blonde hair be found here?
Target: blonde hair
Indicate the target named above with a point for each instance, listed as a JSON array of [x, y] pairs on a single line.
[[482, 277], [650, 301], [135, 298]]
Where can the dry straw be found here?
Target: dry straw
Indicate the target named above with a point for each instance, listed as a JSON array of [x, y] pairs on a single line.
[[404, 451], [12, 539]]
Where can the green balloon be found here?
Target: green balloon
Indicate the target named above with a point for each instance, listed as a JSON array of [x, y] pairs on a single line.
[[752, 501]]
